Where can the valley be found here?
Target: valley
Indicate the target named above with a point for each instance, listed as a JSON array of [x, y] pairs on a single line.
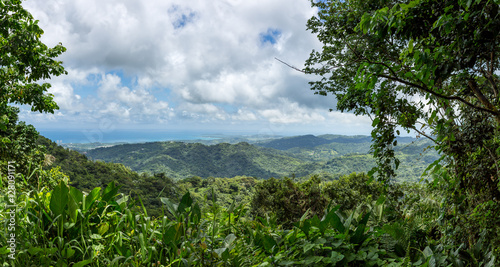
[[329, 156]]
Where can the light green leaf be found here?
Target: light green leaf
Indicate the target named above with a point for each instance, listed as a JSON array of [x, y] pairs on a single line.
[[82, 263], [91, 198], [59, 198], [95, 236]]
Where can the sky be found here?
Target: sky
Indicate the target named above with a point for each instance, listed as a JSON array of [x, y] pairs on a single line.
[[178, 65]]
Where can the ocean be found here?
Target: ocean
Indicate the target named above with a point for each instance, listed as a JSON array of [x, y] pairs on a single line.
[[129, 136]]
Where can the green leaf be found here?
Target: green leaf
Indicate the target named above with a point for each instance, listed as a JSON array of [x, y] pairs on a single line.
[[103, 228], [410, 46], [427, 252], [359, 236], [305, 226], [467, 6], [268, 243], [34, 250], [371, 172], [364, 24], [82, 263], [229, 240], [381, 199], [76, 194], [109, 192], [313, 259], [68, 252], [72, 208], [59, 199], [91, 198], [219, 251], [308, 247], [186, 202], [466, 17], [5, 250], [95, 236], [337, 223], [196, 214], [172, 208], [335, 257], [142, 242], [286, 263]]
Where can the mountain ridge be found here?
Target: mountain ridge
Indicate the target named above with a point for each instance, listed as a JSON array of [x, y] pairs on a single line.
[[299, 156]]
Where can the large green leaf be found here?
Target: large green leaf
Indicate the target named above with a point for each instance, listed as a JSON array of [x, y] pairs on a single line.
[[59, 198], [91, 198], [186, 202], [72, 209], [82, 263], [359, 236], [76, 194], [268, 242], [171, 207], [336, 222], [109, 192]]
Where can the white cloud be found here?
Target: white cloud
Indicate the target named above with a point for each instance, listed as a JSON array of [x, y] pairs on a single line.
[[123, 102], [244, 114], [288, 112], [150, 62]]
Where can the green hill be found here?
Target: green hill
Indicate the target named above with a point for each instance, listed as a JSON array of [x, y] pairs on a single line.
[[182, 160], [304, 141], [86, 174], [329, 155]]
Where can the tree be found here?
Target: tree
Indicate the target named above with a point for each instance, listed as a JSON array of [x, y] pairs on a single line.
[[424, 65], [24, 62], [427, 66], [287, 200]]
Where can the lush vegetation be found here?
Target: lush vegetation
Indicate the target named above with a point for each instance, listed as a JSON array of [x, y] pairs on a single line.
[[301, 225], [376, 55], [87, 175], [329, 155], [430, 67]]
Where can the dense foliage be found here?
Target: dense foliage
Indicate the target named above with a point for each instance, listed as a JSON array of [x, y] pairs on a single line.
[[430, 66], [60, 225], [24, 62], [327, 155], [182, 160], [87, 175], [449, 50]]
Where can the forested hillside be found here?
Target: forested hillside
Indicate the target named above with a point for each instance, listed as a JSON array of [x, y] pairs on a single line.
[[311, 141], [329, 156], [182, 160], [431, 67], [86, 175]]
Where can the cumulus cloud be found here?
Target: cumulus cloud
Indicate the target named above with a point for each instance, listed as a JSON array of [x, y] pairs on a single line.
[[289, 112], [244, 114], [169, 61]]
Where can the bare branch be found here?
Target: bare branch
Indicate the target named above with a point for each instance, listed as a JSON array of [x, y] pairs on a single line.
[[493, 84], [424, 134], [290, 66]]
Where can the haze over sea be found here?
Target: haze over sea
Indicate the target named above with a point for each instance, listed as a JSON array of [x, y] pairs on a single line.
[[129, 136]]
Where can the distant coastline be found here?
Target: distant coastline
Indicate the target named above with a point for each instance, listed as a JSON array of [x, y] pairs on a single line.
[[122, 136]]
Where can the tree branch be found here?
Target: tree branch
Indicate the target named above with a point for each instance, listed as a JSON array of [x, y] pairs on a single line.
[[423, 88], [489, 77], [424, 134], [427, 90], [295, 68], [473, 85]]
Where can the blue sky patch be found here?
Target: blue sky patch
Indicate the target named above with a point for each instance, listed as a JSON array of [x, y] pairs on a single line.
[[183, 20], [182, 17], [271, 36]]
